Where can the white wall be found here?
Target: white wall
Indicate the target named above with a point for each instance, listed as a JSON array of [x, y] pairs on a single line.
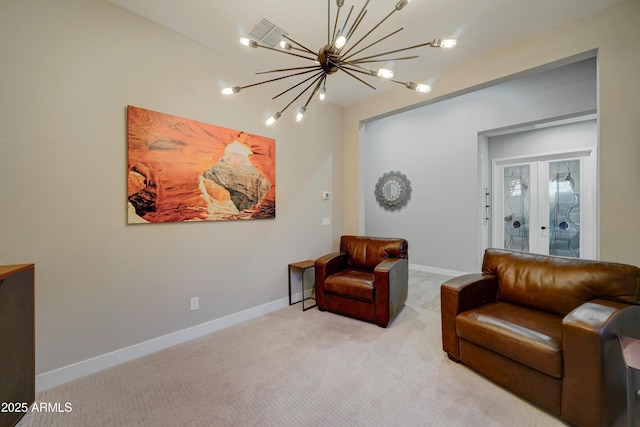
[[436, 146], [613, 33], [562, 137], [69, 69]]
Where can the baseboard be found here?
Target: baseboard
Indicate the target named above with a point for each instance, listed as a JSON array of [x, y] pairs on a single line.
[[68, 373], [436, 270]]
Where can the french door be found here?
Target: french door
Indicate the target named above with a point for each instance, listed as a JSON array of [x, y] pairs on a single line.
[[546, 204]]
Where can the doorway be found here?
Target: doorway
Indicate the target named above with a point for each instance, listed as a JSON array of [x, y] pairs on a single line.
[[545, 204], [542, 201]]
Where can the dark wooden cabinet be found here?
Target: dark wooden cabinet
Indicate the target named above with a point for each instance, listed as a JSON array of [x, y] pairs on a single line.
[[17, 342]]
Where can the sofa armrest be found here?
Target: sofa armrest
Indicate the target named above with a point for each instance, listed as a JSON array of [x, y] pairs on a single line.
[[325, 266], [396, 267], [593, 384], [392, 288], [461, 294]]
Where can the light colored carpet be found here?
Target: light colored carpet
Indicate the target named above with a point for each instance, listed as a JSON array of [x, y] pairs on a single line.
[[424, 290], [292, 368]]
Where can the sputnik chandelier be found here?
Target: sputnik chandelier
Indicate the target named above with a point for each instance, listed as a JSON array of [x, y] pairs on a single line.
[[337, 56]]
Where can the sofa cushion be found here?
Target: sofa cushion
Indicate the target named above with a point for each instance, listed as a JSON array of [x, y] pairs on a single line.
[[366, 253], [531, 337], [556, 284], [351, 283]]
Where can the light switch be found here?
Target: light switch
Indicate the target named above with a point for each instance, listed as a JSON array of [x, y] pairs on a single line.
[[326, 221], [325, 195]]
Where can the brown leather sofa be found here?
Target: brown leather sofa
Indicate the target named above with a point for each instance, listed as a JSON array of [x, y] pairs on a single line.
[[368, 279], [546, 327]]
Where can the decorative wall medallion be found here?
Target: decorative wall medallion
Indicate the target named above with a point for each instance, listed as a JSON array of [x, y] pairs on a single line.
[[393, 190]]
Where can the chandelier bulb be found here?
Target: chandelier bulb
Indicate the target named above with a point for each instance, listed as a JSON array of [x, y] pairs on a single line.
[[383, 73], [444, 43], [322, 94], [248, 42], [340, 42], [231, 90], [449, 43], [300, 114], [285, 45], [340, 3], [271, 120], [419, 87]]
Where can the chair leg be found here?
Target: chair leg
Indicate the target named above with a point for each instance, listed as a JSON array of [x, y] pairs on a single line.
[[453, 358], [631, 399]]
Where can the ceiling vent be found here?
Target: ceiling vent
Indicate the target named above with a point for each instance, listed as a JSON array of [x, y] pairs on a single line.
[[267, 32]]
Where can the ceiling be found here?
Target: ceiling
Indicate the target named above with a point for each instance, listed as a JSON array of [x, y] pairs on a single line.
[[480, 26]]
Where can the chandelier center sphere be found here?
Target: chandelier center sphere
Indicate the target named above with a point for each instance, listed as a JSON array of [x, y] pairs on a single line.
[[327, 59]]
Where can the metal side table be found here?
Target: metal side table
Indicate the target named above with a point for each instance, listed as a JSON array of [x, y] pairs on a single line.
[[301, 267]]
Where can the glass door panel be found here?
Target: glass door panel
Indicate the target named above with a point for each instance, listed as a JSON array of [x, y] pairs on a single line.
[[516, 181], [564, 208], [546, 204]]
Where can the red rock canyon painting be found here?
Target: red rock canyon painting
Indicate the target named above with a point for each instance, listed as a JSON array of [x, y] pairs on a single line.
[[184, 170]]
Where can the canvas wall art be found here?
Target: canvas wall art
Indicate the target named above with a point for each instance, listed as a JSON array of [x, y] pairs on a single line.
[[185, 170]]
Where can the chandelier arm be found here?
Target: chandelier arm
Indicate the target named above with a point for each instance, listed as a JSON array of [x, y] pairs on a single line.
[[379, 60], [358, 20], [399, 82], [359, 69], [373, 44], [315, 90], [302, 82], [346, 70], [323, 82], [299, 95], [368, 73], [305, 49], [344, 25], [329, 21], [362, 70], [395, 51], [370, 31], [332, 38], [301, 50], [288, 53], [276, 79], [355, 26], [310, 67]]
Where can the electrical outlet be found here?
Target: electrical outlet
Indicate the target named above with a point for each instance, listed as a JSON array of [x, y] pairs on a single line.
[[195, 303]]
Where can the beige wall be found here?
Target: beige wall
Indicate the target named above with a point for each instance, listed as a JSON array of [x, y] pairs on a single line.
[[68, 70], [614, 33]]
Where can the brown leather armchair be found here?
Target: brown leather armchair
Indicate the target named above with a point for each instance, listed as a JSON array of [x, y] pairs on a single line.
[[546, 327], [368, 279]]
